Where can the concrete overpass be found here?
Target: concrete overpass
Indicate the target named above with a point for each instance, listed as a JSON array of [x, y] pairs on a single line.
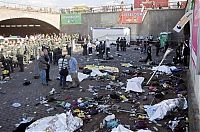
[[21, 22]]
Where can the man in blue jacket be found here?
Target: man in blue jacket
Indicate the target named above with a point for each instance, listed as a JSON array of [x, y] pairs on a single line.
[[73, 71]]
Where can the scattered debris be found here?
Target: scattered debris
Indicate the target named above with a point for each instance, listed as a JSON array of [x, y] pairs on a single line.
[[159, 111], [16, 105], [120, 128], [134, 84], [60, 122]]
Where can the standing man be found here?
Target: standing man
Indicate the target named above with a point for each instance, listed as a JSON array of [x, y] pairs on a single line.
[[157, 47], [84, 48], [69, 48], [145, 43], [118, 43], [89, 45], [121, 44], [137, 39], [101, 50], [73, 71], [131, 7], [149, 57], [178, 54], [47, 59], [42, 64], [151, 38], [124, 44], [20, 59], [63, 71], [107, 47], [186, 52], [97, 43]]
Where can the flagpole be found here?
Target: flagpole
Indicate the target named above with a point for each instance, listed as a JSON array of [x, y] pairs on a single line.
[[165, 55]]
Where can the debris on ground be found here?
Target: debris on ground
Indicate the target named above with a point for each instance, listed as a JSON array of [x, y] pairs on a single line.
[[60, 122]]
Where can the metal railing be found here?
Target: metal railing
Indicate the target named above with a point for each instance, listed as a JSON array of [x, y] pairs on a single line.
[[118, 8], [107, 8], [30, 8]]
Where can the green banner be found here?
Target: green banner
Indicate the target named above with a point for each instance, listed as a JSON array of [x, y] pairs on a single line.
[[70, 18]]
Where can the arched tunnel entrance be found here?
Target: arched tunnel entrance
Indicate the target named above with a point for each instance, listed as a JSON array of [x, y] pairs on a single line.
[[25, 26]]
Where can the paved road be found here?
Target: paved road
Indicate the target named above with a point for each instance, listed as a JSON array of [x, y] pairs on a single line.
[[28, 96]]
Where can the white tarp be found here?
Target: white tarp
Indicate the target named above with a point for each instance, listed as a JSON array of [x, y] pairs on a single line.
[[120, 128], [108, 118], [135, 84], [96, 72], [165, 69], [58, 123], [159, 111], [81, 77]]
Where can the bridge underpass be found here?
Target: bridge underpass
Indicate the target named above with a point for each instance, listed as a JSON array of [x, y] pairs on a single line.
[[25, 26]]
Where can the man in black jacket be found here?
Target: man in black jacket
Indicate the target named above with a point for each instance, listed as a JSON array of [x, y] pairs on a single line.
[[178, 54], [149, 57], [118, 43], [157, 47], [47, 59], [20, 59]]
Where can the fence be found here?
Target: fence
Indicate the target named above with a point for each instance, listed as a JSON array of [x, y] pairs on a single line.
[[31, 8], [107, 8], [117, 8]]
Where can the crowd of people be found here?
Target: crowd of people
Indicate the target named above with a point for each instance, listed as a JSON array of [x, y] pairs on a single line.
[[57, 50], [17, 52]]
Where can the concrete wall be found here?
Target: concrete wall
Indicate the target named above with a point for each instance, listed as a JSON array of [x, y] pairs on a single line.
[[156, 21]]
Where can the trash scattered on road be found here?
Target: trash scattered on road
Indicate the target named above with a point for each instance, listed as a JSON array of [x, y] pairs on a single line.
[[16, 105], [120, 128], [160, 110], [52, 91], [134, 84], [58, 123]]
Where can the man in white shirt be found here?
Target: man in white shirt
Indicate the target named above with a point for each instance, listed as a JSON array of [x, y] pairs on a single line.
[[89, 45], [62, 65], [97, 43], [151, 37]]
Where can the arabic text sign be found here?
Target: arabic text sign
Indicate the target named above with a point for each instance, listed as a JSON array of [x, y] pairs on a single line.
[[129, 17]]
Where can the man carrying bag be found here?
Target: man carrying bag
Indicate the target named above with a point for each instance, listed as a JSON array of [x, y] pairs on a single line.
[[63, 70]]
